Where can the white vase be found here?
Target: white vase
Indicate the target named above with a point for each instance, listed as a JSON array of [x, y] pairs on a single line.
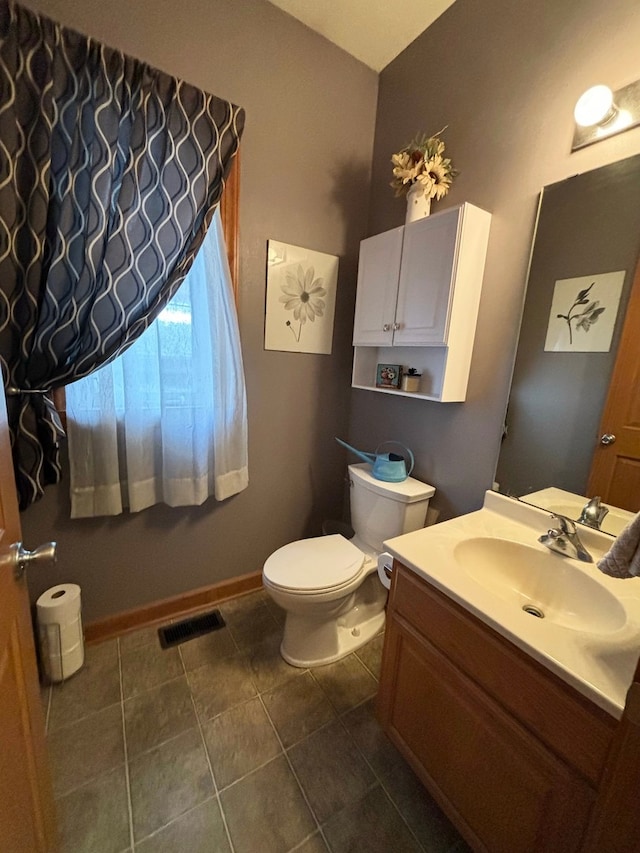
[[418, 204]]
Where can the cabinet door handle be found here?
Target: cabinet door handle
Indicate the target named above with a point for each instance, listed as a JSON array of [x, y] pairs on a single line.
[[396, 326], [386, 327]]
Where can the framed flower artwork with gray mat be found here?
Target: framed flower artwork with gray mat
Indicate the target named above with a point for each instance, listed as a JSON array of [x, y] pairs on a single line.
[[301, 299], [583, 313]]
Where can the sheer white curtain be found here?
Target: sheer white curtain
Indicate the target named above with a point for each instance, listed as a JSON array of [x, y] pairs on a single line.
[[166, 422]]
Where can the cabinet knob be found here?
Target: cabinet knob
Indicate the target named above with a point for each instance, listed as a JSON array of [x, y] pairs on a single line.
[[386, 327], [396, 326]]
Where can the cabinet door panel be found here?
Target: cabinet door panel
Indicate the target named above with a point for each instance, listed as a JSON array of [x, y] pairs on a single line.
[[426, 275], [502, 788], [378, 271], [564, 721]]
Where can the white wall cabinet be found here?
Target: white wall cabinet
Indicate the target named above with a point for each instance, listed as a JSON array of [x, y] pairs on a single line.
[[417, 301]]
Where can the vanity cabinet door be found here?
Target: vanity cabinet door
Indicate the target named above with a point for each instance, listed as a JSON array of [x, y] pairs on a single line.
[[500, 786]]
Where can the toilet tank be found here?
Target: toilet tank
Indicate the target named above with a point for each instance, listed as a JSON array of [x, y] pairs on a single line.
[[382, 510]]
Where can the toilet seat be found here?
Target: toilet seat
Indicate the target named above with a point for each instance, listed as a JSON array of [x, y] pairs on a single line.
[[314, 565]]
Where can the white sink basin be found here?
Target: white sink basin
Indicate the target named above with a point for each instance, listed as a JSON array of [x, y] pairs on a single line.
[[542, 584], [491, 563]]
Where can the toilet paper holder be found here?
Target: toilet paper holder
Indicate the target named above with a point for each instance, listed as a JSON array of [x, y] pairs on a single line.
[[385, 569]]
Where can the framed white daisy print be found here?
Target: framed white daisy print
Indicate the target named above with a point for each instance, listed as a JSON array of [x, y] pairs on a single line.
[[301, 299]]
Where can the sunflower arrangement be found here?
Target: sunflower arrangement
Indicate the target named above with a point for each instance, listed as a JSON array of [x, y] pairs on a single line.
[[422, 163]]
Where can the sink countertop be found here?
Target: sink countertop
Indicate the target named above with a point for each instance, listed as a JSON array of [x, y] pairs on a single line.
[[599, 665]]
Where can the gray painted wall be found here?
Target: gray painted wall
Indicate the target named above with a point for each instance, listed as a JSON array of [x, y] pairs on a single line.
[[306, 159], [504, 75]]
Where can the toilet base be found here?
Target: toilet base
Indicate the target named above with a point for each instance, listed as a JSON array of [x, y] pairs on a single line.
[[324, 643]]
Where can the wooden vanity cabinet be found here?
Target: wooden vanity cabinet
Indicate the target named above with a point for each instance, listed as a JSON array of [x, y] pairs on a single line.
[[511, 753]]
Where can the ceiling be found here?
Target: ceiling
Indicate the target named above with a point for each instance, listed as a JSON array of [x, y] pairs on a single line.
[[374, 31]]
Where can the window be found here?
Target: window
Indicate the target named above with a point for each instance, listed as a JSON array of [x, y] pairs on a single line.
[[166, 421]]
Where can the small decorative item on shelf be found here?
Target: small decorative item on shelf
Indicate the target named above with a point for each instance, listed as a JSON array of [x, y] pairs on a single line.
[[422, 172], [411, 380], [388, 376]]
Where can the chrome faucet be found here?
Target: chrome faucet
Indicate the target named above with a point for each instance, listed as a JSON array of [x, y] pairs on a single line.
[[564, 540], [593, 513]]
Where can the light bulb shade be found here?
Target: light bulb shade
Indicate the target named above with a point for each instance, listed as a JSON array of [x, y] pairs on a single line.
[[600, 113], [593, 106]]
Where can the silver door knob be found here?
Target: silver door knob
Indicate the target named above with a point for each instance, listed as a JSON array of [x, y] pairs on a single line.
[[396, 326], [386, 327], [19, 558], [607, 439]]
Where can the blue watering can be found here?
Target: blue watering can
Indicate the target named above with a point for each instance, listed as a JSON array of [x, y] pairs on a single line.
[[389, 467]]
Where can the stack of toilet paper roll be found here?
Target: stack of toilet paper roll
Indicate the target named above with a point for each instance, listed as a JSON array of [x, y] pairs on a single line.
[[60, 631]]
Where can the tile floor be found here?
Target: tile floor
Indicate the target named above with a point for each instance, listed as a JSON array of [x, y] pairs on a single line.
[[217, 745]]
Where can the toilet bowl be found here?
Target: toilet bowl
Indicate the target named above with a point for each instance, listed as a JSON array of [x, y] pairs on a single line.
[[328, 586]]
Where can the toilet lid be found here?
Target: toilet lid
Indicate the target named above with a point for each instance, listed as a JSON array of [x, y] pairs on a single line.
[[314, 564]]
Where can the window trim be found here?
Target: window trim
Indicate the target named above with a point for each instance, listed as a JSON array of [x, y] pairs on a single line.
[[229, 214]]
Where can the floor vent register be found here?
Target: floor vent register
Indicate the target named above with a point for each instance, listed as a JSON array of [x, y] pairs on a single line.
[[188, 629]]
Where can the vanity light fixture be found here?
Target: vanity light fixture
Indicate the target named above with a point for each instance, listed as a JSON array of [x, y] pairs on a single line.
[[595, 106], [600, 113]]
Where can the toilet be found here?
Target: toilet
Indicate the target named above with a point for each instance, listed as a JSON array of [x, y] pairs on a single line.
[[329, 585]]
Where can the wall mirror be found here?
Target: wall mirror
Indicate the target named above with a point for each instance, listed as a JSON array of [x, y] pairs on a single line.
[[588, 230]]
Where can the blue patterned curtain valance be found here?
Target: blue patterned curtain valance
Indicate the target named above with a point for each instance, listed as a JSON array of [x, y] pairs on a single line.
[[110, 172]]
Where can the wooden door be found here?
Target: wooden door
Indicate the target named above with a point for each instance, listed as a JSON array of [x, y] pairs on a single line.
[[615, 469], [26, 800]]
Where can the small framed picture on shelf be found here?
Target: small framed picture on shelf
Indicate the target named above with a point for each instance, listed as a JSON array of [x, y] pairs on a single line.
[[388, 375]]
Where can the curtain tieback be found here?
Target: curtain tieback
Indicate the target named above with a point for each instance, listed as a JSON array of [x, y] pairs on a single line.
[[12, 391]]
